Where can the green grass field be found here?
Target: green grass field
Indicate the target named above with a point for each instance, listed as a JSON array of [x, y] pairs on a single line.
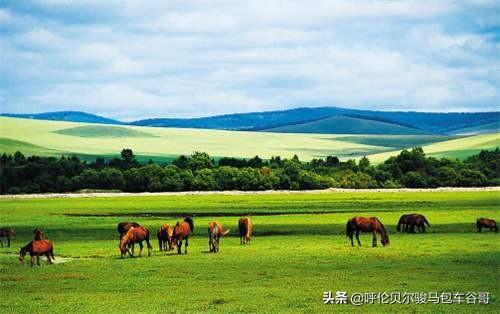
[[299, 251], [88, 141]]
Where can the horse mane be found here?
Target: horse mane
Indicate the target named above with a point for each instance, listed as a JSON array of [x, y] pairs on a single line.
[[190, 223], [383, 231]]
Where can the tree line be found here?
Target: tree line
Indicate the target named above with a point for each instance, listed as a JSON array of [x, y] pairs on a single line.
[[200, 172]]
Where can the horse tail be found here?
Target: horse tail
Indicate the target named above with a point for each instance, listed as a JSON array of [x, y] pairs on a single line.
[[400, 222], [383, 232], [190, 223], [349, 230], [425, 221], [226, 232]]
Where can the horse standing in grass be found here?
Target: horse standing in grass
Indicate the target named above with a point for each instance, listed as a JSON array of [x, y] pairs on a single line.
[[245, 230], [134, 235], [182, 230], [6, 232], [214, 234], [123, 227], [364, 224], [486, 223], [37, 248], [408, 222], [164, 236]]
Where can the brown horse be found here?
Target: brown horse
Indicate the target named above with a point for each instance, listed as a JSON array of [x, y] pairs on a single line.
[[123, 227], [6, 232], [364, 224], [408, 222], [164, 236], [486, 223], [245, 229], [38, 232], [214, 234], [181, 232], [135, 235], [37, 248]]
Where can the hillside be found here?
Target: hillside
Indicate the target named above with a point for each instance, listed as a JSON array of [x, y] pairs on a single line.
[[426, 122], [481, 129], [347, 125], [88, 141], [455, 148], [72, 116]]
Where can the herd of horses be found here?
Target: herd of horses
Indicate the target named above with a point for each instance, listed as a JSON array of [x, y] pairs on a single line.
[[169, 237]]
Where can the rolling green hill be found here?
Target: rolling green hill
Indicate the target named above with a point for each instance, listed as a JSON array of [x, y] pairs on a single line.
[[88, 141], [480, 129], [455, 148], [347, 125]]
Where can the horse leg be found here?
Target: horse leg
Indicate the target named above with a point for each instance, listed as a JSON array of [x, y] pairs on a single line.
[[38, 259], [8, 241], [140, 246], [374, 242], [179, 245], [160, 244], [479, 228], [351, 237], [32, 258], [357, 237], [149, 247], [1, 242], [186, 246], [48, 257]]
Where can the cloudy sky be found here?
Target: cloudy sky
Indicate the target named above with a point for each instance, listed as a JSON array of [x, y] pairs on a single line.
[[138, 59]]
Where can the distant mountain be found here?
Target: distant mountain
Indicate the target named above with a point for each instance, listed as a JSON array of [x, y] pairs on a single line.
[[348, 125], [430, 122], [401, 121], [73, 116]]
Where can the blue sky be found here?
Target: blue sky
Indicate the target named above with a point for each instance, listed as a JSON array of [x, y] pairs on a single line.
[[137, 59]]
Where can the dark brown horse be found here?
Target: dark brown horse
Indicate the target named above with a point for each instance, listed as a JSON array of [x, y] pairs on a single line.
[[486, 223], [134, 235], [408, 222], [6, 232], [164, 236], [364, 224], [123, 227], [182, 230], [245, 229], [37, 248], [214, 234], [38, 232]]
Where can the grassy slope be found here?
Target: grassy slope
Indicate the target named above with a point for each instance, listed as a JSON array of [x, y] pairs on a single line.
[[291, 261], [456, 148], [395, 141], [480, 129], [102, 131], [172, 141], [347, 125]]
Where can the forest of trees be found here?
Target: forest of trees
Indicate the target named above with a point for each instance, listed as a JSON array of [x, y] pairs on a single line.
[[200, 172]]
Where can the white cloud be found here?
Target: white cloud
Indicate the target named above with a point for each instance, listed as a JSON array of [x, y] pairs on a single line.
[[196, 58]]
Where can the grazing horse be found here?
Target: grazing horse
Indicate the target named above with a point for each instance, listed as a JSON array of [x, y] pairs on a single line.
[[7, 233], [123, 227], [364, 224], [38, 234], [486, 223], [410, 221], [181, 231], [37, 248], [214, 234], [245, 230], [164, 236], [135, 235]]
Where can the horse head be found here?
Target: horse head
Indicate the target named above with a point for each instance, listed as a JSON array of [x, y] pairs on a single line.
[[22, 253]]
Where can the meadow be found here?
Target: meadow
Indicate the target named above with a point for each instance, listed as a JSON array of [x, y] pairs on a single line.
[[88, 141], [299, 250]]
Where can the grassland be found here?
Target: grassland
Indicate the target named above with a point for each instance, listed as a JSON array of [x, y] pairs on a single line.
[[88, 141], [350, 125], [454, 148], [298, 252]]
